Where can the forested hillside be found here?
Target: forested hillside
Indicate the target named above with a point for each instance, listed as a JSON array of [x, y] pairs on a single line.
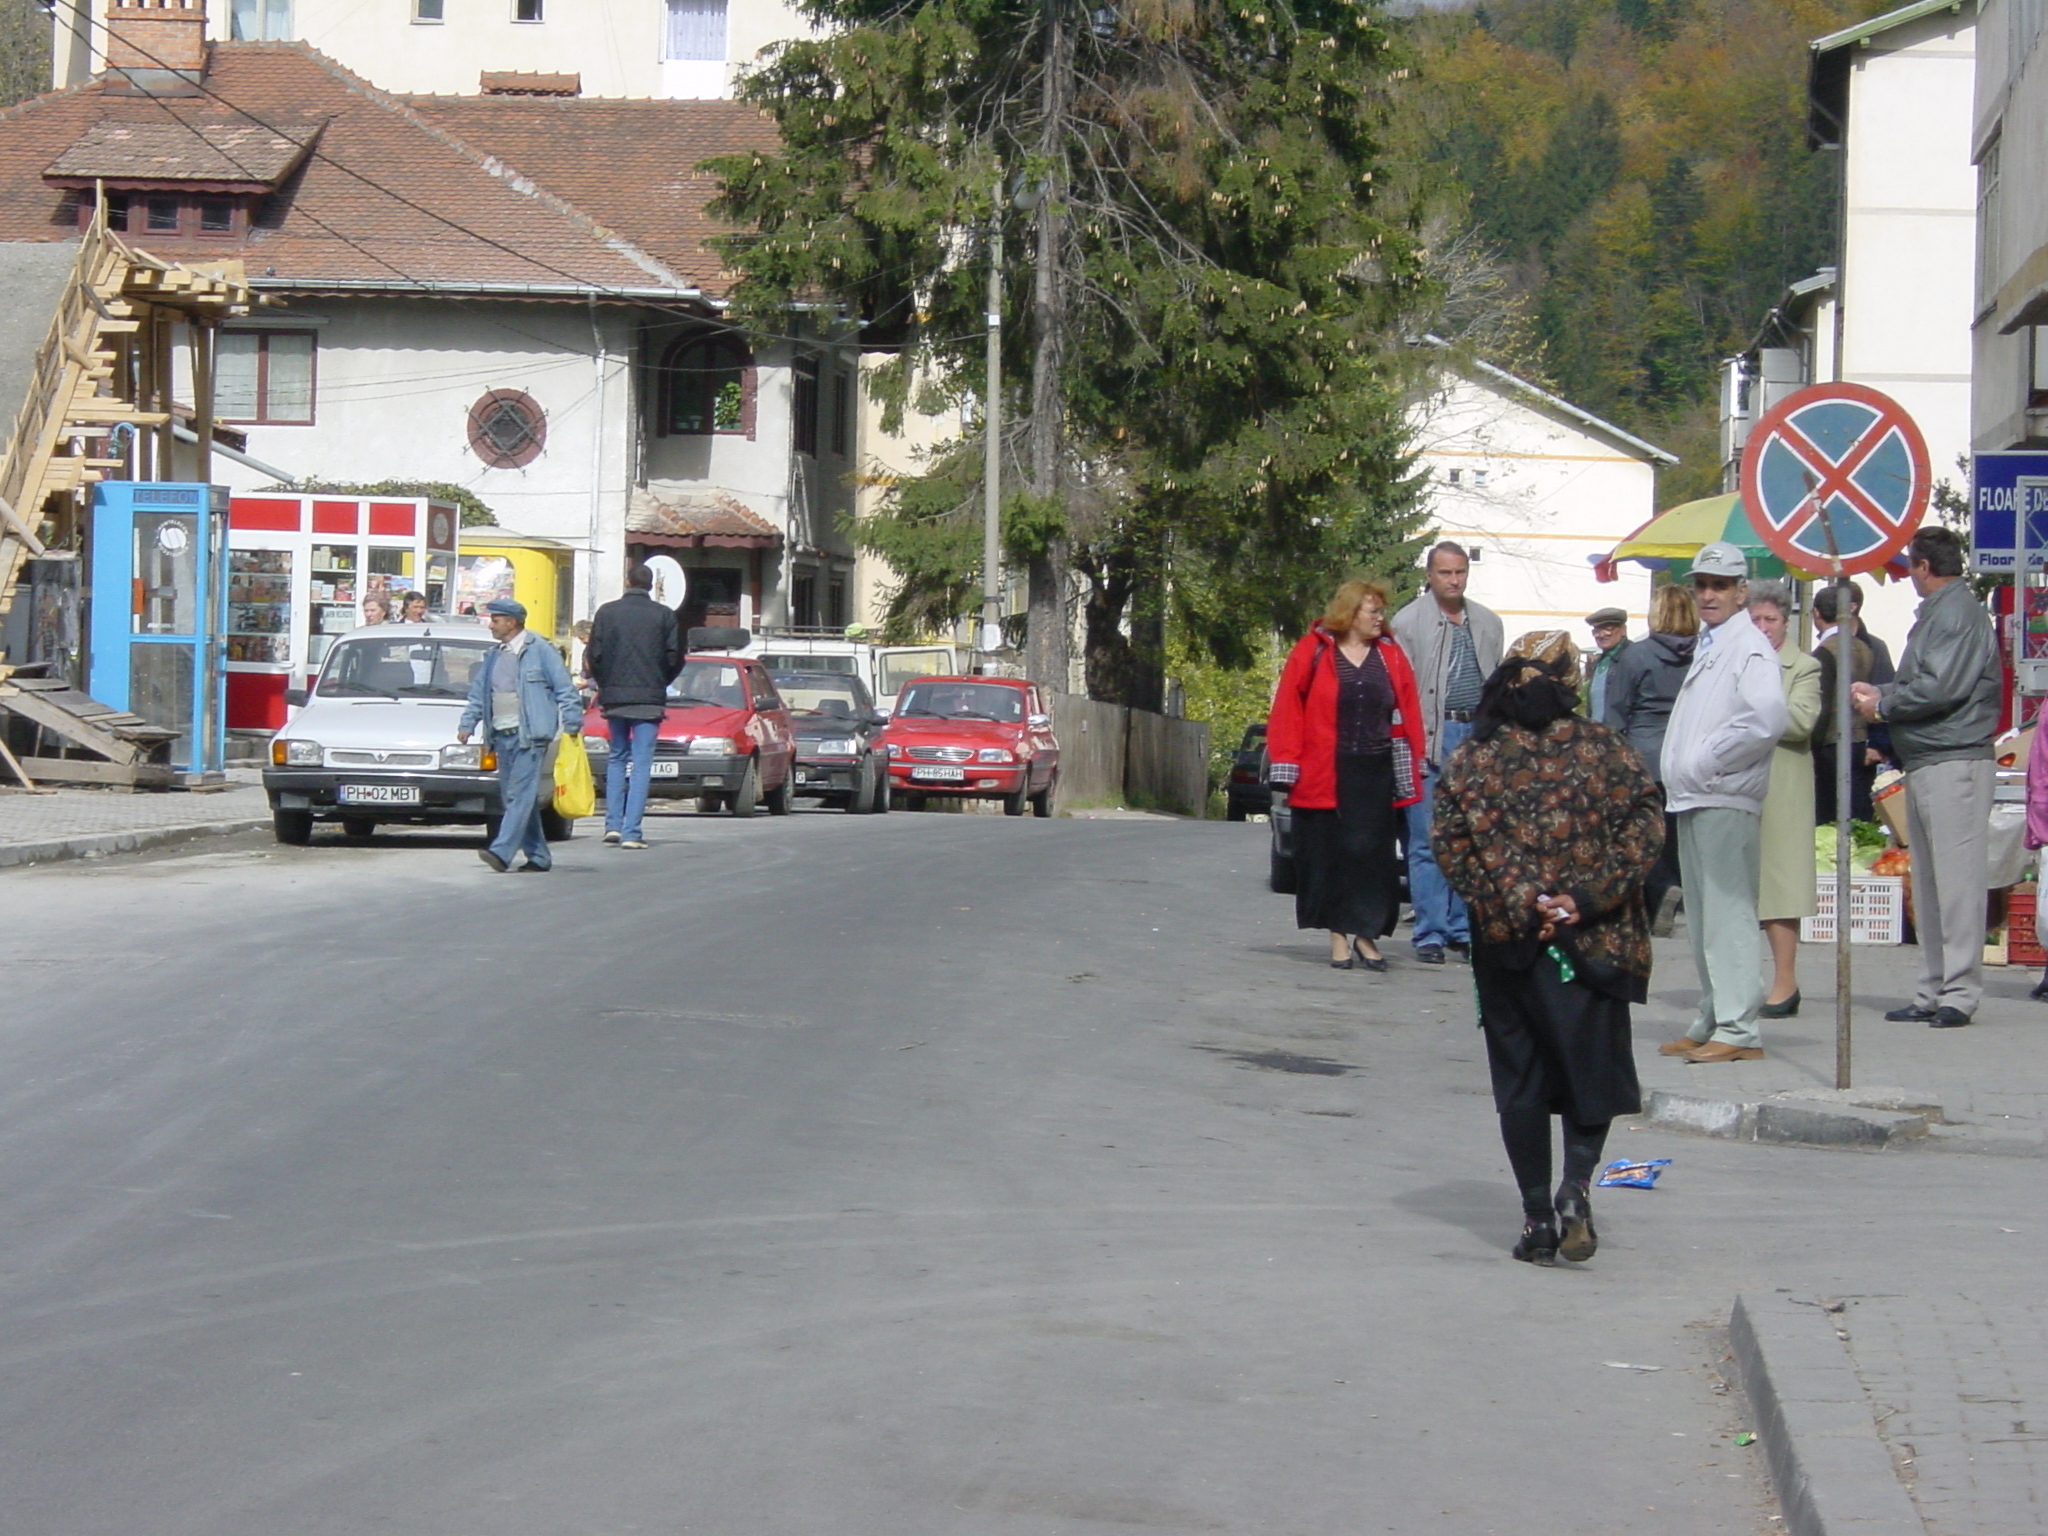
[[1639, 169]]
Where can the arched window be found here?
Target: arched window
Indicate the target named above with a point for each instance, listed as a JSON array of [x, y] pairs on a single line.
[[707, 387]]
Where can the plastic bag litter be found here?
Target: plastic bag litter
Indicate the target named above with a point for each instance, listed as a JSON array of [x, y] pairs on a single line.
[[1625, 1175]]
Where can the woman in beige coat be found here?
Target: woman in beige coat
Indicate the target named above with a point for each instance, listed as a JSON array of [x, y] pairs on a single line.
[[1785, 888]]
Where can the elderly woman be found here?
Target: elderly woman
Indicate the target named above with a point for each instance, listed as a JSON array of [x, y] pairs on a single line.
[[1345, 741], [1640, 692], [1785, 885], [1546, 824], [376, 609]]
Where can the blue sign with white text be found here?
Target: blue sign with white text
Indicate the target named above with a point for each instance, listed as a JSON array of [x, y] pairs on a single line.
[[2000, 485]]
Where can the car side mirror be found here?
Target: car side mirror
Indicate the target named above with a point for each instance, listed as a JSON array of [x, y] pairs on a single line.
[[1040, 722], [877, 717], [295, 697]]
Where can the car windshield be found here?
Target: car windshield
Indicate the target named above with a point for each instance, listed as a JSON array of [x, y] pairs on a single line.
[[823, 697], [408, 666], [709, 682], [961, 701]]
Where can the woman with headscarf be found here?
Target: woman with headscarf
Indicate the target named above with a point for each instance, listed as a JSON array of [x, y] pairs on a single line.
[[1546, 824], [1786, 890], [1640, 692], [1345, 742]]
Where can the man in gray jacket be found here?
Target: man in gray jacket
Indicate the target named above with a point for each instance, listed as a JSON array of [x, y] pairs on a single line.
[[1728, 717], [1454, 644], [1943, 712]]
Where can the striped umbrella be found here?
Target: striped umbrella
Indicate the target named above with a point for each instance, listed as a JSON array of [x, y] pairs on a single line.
[[1671, 539]]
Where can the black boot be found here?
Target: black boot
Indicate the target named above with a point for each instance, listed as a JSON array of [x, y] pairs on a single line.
[[1575, 1216]]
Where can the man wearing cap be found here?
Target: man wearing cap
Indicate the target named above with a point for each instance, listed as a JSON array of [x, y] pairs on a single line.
[[1726, 721], [524, 693], [1454, 644], [1610, 636], [1943, 711]]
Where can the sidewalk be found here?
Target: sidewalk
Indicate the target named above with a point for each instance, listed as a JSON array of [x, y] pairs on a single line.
[[1982, 1086], [82, 823]]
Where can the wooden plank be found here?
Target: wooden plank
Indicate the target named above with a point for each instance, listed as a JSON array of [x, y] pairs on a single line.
[[20, 772], [85, 770], [33, 707]]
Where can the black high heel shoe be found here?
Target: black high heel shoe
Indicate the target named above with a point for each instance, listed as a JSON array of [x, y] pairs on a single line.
[[1370, 962], [1785, 1010], [1539, 1241], [1575, 1215], [1345, 963]]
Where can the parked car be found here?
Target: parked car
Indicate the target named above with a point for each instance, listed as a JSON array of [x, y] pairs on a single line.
[[374, 740], [973, 738], [1246, 793], [839, 754], [725, 739]]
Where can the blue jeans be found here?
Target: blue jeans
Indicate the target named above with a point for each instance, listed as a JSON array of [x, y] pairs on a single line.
[[625, 796], [1440, 916], [519, 771]]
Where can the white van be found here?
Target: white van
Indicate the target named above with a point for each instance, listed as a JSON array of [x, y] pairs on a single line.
[[884, 668]]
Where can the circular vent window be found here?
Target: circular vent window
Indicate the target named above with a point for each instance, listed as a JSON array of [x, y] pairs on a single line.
[[507, 429]]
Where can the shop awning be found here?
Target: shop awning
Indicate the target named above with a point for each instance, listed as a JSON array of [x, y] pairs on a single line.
[[708, 519]]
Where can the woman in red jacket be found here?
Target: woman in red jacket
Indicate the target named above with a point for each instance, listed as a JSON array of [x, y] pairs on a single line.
[[1345, 741]]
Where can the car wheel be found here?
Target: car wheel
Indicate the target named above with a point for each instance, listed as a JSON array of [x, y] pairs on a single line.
[[1233, 810], [1280, 875], [556, 827], [709, 803], [1013, 805], [358, 829], [866, 798], [1041, 803], [782, 799], [885, 792], [748, 795], [293, 827]]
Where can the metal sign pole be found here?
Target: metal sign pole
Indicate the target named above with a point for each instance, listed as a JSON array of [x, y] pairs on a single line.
[[1845, 667]]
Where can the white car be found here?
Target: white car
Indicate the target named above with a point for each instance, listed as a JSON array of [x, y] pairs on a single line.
[[375, 739]]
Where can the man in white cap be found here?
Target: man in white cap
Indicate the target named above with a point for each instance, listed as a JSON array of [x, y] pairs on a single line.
[[1728, 716]]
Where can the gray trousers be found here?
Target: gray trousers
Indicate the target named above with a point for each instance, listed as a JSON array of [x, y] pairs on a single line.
[[1948, 816], [1719, 858]]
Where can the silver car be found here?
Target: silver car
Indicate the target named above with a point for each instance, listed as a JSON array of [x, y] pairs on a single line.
[[374, 742]]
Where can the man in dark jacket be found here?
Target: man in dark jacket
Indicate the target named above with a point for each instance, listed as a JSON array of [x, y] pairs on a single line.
[[1943, 710], [633, 652]]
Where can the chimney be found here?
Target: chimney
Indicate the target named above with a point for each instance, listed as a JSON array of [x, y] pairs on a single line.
[[157, 43]]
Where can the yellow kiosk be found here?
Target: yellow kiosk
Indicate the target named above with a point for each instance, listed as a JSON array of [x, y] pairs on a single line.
[[541, 573]]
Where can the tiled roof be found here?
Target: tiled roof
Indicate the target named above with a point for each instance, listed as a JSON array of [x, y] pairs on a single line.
[[419, 195], [239, 152], [522, 82], [711, 517]]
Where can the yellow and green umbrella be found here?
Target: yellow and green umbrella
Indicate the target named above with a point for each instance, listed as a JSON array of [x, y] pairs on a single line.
[[1668, 541]]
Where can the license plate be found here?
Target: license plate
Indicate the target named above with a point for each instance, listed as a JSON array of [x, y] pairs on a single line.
[[940, 775], [378, 794], [661, 770], [803, 776]]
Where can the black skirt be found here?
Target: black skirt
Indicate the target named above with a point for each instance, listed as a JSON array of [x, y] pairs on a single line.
[[1347, 877], [1554, 1045]]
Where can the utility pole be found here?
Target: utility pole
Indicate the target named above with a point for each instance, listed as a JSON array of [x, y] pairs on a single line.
[[1047, 657], [991, 639]]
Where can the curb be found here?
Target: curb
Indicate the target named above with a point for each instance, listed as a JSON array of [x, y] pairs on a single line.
[[1832, 1473], [13, 855], [1797, 1120]]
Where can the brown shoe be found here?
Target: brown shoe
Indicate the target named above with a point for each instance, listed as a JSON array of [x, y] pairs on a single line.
[[1721, 1050], [1684, 1045]]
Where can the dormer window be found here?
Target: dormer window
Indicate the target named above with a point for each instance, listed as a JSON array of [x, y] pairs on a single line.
[[167, 181], [171, 215]]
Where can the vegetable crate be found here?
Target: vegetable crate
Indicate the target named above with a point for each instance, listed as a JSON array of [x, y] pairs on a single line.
[[1877, 911], [2022, 945]]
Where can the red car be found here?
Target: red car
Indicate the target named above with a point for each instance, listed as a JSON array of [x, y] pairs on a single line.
[[725, 739], [974, 738]]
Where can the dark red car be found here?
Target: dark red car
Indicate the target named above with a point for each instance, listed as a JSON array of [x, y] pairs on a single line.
[[725, 739], [974, 738]]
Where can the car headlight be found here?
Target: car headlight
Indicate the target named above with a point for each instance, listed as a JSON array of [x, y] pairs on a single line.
[[995, 755], [711, 746], [894, 751], [469, 757], [294, 754], [835, 746]]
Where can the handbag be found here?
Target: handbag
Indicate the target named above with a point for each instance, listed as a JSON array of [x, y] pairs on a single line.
[[575, 789]]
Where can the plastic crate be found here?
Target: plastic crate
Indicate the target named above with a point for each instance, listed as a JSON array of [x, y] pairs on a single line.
[[2022, 944], [1877, 911]]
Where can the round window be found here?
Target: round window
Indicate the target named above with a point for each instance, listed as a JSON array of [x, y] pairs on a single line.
[[507, 429]]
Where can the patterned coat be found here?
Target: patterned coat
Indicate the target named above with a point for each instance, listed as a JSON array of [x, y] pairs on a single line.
[[1569, 811]]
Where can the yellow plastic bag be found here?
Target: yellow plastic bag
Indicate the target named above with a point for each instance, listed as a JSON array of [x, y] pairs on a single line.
[[575, 790]]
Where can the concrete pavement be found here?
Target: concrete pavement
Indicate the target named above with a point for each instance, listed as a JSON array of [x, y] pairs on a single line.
[[89, 823], [916, 1173]]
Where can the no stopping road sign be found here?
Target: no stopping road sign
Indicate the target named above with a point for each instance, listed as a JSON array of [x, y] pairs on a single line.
[[1835, 479]]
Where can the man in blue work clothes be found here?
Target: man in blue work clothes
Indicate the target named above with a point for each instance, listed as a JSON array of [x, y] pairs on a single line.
[[1454, 644], [524, 693]]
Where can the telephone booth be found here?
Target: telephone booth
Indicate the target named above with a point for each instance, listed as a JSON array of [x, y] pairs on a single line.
[[158, 598]]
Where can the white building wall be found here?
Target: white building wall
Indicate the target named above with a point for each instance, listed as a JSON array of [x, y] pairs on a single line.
[[616, 47], [1536, 496], [2010, 144]]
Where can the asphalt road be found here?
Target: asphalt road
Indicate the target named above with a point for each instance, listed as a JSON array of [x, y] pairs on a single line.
[[895, 1175]]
